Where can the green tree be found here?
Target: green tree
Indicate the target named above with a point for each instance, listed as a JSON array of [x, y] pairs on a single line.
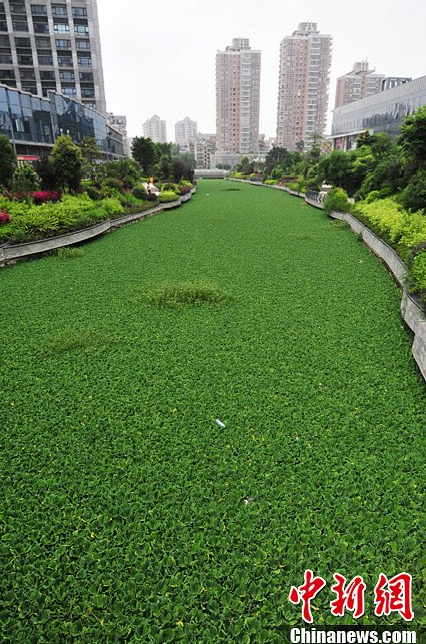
[[387, 172], [380, 144], [90, 152], [25, 179], [44, 168], [413, 137], [167, 149], [7, 161], [335, 168], [414, 196], [179, 169], [144, 151], [162, 168], [126, 170], [276, 156], [67, 162]]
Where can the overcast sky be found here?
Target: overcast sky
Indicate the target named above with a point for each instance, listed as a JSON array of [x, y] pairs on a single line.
[[160, 58]]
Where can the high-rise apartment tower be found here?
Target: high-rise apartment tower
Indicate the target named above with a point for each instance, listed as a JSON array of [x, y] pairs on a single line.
[[155, 129], [358, 83], [237, 98], [56, 46], [304, 75], [186, 134]]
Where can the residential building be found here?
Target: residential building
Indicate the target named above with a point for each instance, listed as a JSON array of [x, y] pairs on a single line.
[[382, 112], [155, 129], [186, 134], [358, 83], [33, 123], [393, 81], [304, 75], [237, 99], [205, 147], [52, 46], [120, 124]]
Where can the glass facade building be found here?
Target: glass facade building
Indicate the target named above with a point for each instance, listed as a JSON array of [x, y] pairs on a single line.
[[33, 123], [383, 112]]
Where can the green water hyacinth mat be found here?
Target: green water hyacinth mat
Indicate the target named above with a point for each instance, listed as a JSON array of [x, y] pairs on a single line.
[[128, 512]]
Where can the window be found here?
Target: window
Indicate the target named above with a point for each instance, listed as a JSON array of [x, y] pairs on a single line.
[[59, 11], [81, 30], [63, 44], [18, 7], [31, 88], [19, 25], [64, 61], [67, 76], [84, 61], [86, 76], [7, 74], [79, 12], [87, 93], [43, 43], [61, 28], [82, 44], [69, 91], [23, 42], [45, 60], [6, 58], [25, 59], [41, 28], [38, 9], [47, 75]]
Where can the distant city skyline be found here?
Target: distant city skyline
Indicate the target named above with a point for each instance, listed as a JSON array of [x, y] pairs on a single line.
[[167, 66]]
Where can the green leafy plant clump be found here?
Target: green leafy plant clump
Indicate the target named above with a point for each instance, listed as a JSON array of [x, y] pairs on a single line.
[[129, 514], [167, 196], [190, 293], [336, 199]]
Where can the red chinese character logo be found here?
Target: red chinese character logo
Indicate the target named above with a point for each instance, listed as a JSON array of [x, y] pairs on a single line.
[[351, 597], [306, 593], [396, 597]]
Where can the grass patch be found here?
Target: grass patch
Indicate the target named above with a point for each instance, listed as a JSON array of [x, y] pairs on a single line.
[[78, 341], [191, 293], [338, 224], [69, 252]]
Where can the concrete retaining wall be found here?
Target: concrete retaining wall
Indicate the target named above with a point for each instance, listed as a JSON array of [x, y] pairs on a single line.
[[16, 251]]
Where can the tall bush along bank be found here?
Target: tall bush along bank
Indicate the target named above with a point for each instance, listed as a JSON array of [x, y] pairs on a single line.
[[29, 222], [405, 231], [337, 199]]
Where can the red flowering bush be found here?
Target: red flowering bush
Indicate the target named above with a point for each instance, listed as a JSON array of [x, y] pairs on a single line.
[[4, 217], [184, 190], [43, 196]]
